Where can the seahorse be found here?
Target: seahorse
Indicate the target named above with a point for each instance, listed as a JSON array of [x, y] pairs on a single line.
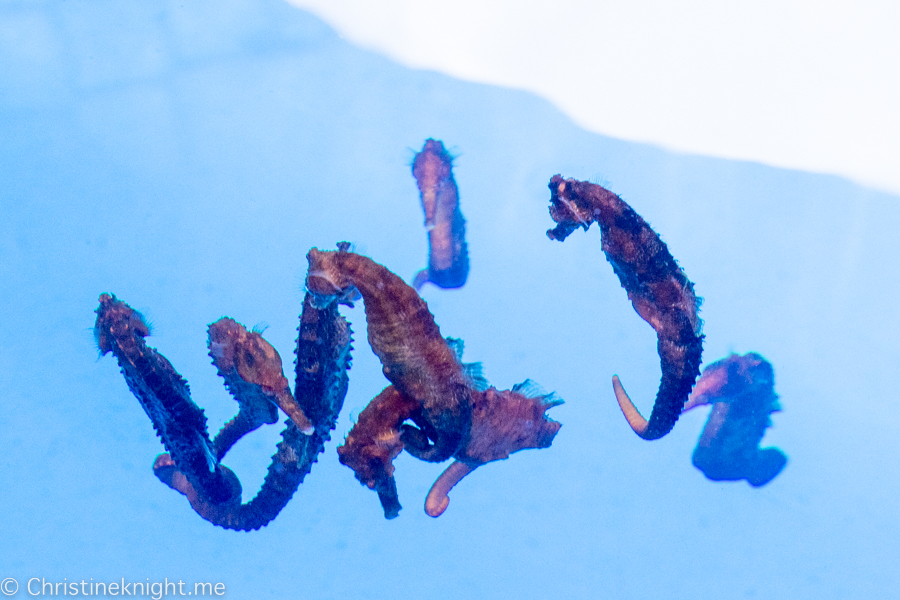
[[243, 356], [415, 357], [657, 287], [503, 422], [374, 442], [741, 390], [457, 414], [165, 397], [448, 258], [252, 370]]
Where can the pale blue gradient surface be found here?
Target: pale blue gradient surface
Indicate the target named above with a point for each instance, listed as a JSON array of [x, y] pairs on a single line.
[[185, 158]]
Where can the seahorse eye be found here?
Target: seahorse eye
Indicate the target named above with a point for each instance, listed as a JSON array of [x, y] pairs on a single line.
[[137, 323]]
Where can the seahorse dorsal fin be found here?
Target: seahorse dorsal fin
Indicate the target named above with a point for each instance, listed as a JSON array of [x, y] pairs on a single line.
[[476, 377], [532, 389], [473, 371], [457, 345]]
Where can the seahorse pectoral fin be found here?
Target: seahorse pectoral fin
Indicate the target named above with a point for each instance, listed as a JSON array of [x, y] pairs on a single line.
[[438, 499], [637, 422], [212, 461]]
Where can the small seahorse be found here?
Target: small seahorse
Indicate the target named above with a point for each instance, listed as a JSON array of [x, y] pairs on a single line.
[[478, 424], [657, 287], [165, 397], [323, 358], [741, 390], [414, 356], [448, 259], [374, 442], [236, 354]]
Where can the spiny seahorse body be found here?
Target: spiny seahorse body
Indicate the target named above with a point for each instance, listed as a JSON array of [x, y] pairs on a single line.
[[503, 422], [657, 287], [164, 396], [479, 424]]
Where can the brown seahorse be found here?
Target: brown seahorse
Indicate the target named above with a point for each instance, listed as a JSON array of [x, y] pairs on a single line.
[[503, 422], [457, 414], [242, 357], [657, 287], [252, 370], [741, 390], [374, 442], [448, 257], [414, 356], [165, 397]]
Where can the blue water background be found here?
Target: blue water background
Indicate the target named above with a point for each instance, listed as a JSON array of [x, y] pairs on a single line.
[[185, 156]]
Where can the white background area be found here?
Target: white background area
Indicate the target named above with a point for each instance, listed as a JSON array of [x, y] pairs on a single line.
[[812, 85]]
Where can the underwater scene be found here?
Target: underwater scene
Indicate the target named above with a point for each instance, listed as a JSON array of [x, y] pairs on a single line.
[[285, 319]]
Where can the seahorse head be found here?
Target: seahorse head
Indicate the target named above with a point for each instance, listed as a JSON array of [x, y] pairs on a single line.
[[506, 421], [328, 280], [255, 360], [567, 208], [115, 319], [747, 380]]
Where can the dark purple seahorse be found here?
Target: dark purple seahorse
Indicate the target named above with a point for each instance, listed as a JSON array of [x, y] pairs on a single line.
[[252, 370], [741, 390], [455, 413], [165, 397], [448, 257], [657, 287]]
